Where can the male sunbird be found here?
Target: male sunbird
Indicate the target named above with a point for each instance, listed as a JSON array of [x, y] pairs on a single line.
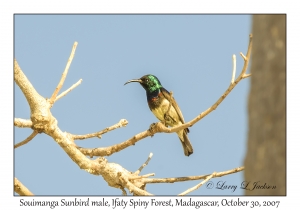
[[158, 101]]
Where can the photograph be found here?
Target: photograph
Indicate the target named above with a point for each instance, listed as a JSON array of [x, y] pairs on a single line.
[[149, 104]]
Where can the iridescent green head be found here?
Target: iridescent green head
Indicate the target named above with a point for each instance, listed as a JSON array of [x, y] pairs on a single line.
[[149, 82]]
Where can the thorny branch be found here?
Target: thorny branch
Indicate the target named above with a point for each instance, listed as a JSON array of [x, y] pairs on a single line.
[[115, 175]]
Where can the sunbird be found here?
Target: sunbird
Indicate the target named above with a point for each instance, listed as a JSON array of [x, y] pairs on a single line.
[[158, 101]]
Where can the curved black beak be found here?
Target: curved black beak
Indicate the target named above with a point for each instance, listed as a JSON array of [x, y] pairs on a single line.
[[134, 80]]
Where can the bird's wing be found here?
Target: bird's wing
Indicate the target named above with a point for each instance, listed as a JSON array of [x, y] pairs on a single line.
[[176, 107]]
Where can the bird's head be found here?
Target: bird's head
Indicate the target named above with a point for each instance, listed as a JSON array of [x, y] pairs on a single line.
[[149, 82]]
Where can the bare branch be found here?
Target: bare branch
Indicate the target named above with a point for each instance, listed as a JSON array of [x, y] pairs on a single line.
[[64, 75], [21, 189], [44, 121], [22, 123], [243, 56], [28, 139], [121, 123], [143, 176], [69, 90], [198, 185], [190, 178], [145, 164], [107, 151], [233, 68], [247, 58]]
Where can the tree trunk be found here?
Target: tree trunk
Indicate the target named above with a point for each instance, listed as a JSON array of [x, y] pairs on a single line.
[[265, 162]]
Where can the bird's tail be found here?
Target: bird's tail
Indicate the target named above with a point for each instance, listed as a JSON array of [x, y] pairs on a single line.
[[186, 144]]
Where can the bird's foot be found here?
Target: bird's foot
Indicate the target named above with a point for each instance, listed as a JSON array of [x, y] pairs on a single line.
[[164, 122], [151, 129], [166, 118], [169, 119]]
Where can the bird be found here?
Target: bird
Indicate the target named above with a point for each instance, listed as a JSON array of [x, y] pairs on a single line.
[[158, 99]]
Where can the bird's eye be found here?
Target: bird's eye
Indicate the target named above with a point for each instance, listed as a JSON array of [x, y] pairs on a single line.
[[147, 80]]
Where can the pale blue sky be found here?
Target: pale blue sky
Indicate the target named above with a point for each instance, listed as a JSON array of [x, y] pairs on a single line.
[[190, 54]]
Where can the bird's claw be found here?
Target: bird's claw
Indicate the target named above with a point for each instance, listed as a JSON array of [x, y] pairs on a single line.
[[167, 118], [151, 129]]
